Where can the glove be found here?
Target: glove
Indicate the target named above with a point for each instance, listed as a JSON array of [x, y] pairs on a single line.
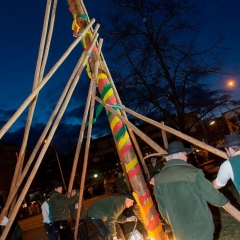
[[115, 238], [131, 219]]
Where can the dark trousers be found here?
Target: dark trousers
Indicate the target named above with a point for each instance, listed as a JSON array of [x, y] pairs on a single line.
[[102, 228], [64, 229], [51, 231], [82, 230]]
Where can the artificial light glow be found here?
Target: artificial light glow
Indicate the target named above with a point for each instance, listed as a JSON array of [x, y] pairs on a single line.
[[95, 175], [230, 83], [211, 123]]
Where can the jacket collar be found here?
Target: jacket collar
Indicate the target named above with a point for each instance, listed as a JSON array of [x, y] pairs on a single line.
[[175, 162]]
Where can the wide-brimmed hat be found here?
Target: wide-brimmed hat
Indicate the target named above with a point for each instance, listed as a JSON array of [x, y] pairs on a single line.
[[128, 194], [230, 140], [176, 147]]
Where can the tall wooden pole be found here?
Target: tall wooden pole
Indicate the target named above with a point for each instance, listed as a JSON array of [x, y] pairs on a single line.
[[86, 154], [124, 145], [33, 103], [81, 134]]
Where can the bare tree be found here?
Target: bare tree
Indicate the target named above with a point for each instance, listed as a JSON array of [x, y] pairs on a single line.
[[156, 65]]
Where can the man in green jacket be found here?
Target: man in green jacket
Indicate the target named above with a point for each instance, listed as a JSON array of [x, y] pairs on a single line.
[[106, 212], [182, 193], [121, 183], [60, 211], [155, 165]]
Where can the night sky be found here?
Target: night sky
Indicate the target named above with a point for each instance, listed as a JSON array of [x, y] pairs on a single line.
[[20, 30]]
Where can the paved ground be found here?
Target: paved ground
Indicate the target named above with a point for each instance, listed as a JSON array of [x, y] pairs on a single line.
[[38, 233]]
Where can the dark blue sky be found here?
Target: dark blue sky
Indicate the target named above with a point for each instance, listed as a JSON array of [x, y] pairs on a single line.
[[20, 30]]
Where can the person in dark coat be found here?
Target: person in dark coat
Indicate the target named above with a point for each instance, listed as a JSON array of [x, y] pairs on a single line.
[[121, 183], [155, 165], [106, 212], [59, 205], [182, 193]]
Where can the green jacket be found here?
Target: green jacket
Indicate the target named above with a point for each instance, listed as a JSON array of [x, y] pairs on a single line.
[[182, 193], [59, 206], [109, 209], [159, 165], [73, 211]]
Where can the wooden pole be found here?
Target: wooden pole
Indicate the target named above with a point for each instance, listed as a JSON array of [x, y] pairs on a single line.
[[43, 151], [103, 65], [179, 134], [148, 140], [164, 136], [124, 145], [41, 139], [43, 82], [80, 138], [48, 42], [85, 161], [81, 134], [33, 104]]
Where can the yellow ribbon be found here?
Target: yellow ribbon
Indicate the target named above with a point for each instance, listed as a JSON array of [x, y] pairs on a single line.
[[114, 122], [101, 76], [108, 94], [123, 140], [131, 164]]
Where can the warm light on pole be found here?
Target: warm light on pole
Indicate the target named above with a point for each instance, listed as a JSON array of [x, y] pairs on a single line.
[[64, 184]]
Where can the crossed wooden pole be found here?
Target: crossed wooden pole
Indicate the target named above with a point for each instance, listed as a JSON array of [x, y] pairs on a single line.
[[101, 79]]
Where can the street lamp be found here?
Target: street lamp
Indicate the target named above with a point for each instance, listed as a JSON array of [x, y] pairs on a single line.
[[64, 184], [212, 122], [230, 84]]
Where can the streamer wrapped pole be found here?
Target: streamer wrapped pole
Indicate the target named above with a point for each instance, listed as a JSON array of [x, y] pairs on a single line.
[[124, 145]]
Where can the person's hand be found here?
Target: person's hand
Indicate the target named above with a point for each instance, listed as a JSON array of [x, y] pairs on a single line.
[[131, 219], [115, 238]]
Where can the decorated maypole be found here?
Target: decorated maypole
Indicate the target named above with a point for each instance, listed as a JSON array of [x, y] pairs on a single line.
[[124, 145]]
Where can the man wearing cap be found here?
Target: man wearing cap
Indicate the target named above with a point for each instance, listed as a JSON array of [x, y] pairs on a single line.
[[182, 193], [106, 212], [121, 183], [60, 211], [231, 168], [155, 166]]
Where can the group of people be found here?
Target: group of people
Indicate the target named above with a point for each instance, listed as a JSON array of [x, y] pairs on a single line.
[[181, 191]]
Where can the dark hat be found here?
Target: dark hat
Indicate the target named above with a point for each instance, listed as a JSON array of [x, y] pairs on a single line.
[[230, 140], [57, 184], [176, 147], [128, 194]]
